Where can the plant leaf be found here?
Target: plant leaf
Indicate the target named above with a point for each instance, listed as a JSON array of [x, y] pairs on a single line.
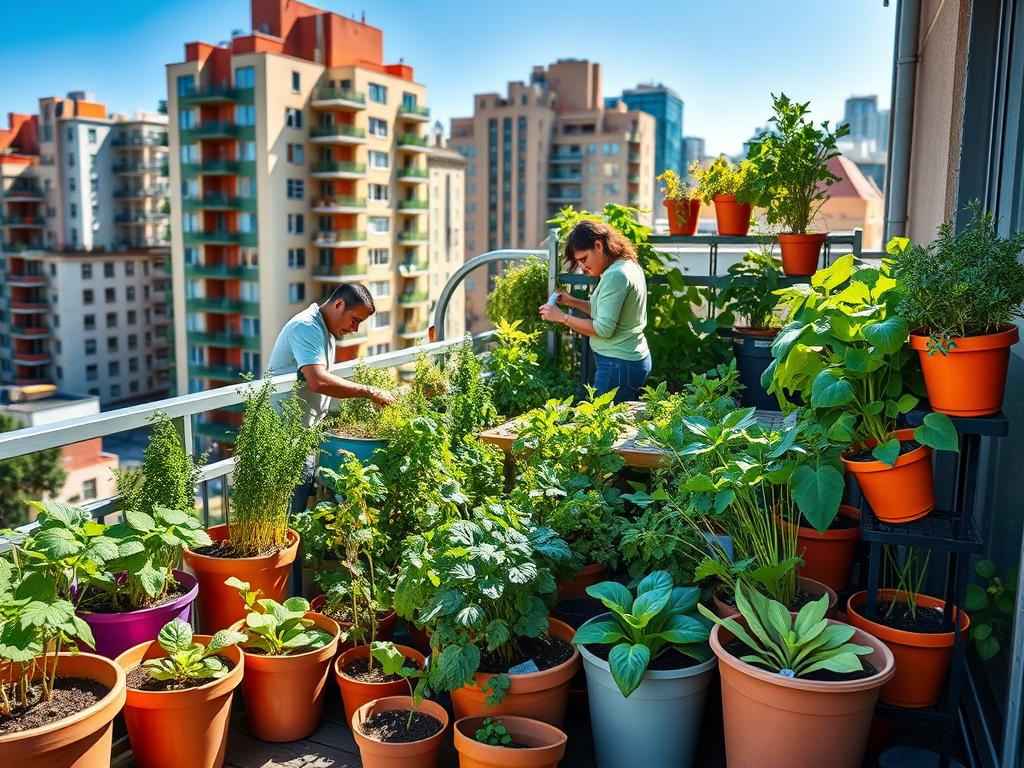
[[628, 664]]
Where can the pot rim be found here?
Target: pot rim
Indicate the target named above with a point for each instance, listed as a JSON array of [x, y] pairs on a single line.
[[339, 436], [566, 668], [838, 534], [1007, 335], [107, 617], [651, 674], [316, 655], [905, 636], [922, 452], [190, 556], [205, 691], [358, 651], [321, 599], [406, 702], [793, 237], [557, 733], [825, 589]]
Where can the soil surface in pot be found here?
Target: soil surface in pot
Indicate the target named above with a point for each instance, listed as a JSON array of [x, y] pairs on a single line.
[[70, 696], [103, 602], [928, 621], [360, 670], [291, 652], [345, 614], [358, 431], [393, 726], [225, 550], [739, 649], [841, 522], [545, 652], [670, 659], [864, 454], [801, 599], [139, 679]]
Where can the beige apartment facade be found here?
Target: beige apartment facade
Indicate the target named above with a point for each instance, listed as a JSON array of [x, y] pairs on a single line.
[[447, 232]]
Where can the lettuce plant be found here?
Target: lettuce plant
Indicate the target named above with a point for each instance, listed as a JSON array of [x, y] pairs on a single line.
[[188, 662], [278, 629]]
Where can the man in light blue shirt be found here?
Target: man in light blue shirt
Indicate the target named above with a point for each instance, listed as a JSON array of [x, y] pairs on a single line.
[[306, 347]]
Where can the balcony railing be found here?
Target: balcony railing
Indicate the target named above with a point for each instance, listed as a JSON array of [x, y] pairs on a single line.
[[340, 167], [215, 201], [413, 266], [414, 111], [342, 236], [23, 245], [413, 173], [340, 94], [22, 221], [220, 237], [29, 191], [225, 339], [223, 306], [415, 204], [412, 140], [413, 236], [138, 167], [340, 270], [413, 297], [222, 271], [217, 372], [218, 129], [329, 204], [337, 131], [211, 167], [218, 93]]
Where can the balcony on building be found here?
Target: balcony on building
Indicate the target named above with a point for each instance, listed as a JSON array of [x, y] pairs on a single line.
[[564, 154], [223, 305], [413, 237], [133, 167], [353, 339], [138, 193], [339, 204], [221, 272], [217, 93], [339, 169], [340, 273], [217, 129], [340, 238], [23, 191], [18, 246], [217, 201], [26, 279], [337, 134], [20, 221], [31, 358], [339, 98], [413, 329], [410, 142], [413, 206], [414, 112], [29, 330], [564, 195], [218, 167], [413, 267], [220, 237], [414, 175], [414, 298], [216, 372]]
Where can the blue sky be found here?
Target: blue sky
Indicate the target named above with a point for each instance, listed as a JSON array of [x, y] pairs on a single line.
[[723, 57]]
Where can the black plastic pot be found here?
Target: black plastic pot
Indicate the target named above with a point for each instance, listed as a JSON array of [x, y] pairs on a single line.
[[753, 352]]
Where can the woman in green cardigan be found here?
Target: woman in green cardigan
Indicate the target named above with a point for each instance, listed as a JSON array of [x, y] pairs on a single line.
[[617, 308]]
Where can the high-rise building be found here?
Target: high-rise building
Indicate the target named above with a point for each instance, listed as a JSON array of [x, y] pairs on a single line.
[[868, 140], [665, 106], [693, 151], [298, 162], [544, 145], [447, 231], [83, 200]]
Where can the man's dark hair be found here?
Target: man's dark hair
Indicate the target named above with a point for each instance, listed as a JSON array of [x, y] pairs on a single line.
[[354, 295]]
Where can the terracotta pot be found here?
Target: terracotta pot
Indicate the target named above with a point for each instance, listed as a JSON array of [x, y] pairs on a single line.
[[922, 659], [355, 693], [733, 218], [723, 610], [800, 253], [575, 587], [900, 493], [419, 637], [385, 624], [180, 729], [220, 606], [970, 379], [284, 695], [539, 695], [545, 744], [773, 721], [82, 740], [828, 557], [413, 754], [683, 216]]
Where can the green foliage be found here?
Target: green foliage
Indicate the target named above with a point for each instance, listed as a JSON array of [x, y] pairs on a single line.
[[23, 478], [844, 351], [168, 476], [991, 605], [961, 284], [721, 177], [750, 292], [792, 647], [517, 294], [357, 416], [187, 662], [789, 164], [468, 406], [659, 618], [277, 629], [675, 188], [271, 451], [493, 732], [520, 377]]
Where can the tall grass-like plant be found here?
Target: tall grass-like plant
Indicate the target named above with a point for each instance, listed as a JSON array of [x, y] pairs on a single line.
[[168, 477], [270, 454]]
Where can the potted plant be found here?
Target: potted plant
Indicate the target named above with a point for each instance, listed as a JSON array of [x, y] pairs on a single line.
[[681, 203], [376, 671], [960, 294], [356, 424], [648, 669], [828, 553], [746, 302], [731, 188], [180, 688], [789, 162], [913, 626], [844, 351], [57, 705], [795, 685], [288, 652], [508, 742], [480, 586], [271, 451], [399, 731]]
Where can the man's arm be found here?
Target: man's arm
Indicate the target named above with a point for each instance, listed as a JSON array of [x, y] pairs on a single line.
[[323, 382]]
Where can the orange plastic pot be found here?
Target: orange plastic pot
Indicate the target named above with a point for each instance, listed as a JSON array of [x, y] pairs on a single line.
[[683, 216], [544, 744], [413, 754], [970, 379], [355, 693], [575, 588], [922, 659], [538, 695], [723, 610], [828, 557], [284, 695], [220, 606], [800, 253], [773, 721], [180, 729], [80, 741], [900, 493], [733, 218]]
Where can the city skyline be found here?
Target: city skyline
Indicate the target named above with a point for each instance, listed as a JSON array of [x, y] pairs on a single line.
[[724, 114]]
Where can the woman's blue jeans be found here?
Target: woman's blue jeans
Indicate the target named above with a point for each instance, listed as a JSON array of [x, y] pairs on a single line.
[[627, 376]]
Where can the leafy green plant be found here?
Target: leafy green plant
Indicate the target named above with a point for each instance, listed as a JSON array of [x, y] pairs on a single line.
[[660, 617], [356, 416], [468, 406], [492, 732], [750, 291], [277, 629], [721, 177], [844, 351], [516, 296], [963, 283], [168, 477], [271, 451], [991, 605], [675, 188], [188, 662], [789, 164], [792, 647], [520, 378]]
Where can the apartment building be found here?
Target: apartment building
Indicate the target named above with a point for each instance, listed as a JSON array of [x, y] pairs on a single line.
[[546, 144], [447, 230], [83, 201], [665, 106], [298, 162]]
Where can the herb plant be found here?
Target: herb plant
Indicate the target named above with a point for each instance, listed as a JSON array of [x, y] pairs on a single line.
[[492, 732], [661, 617], [516, 296], [188, 662], [356, 416], [278, 629], [520, 376], [964, 283], [721, 177], [675, 188], [792, 647], [749, 293]]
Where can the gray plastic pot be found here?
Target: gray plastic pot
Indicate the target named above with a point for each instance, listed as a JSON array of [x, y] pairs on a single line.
[[658, 726]]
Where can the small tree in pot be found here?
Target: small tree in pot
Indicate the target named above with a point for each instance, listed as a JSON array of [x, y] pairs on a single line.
[[681, 203]]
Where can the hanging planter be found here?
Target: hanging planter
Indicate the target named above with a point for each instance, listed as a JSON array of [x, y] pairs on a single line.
[[536, 744], [801, 252]]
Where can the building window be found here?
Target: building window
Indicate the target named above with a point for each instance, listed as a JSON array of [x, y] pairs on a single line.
[[89, 322], [381, 349], [245, 114], [296, 154], [90, 346], [187, 119], [87, 271], [92, 135], [292, 117], [133, 386], [247, 151], [296, 258], [409, 100], [92, 372], [378, 159], [380, 288], [380, 257], [74, 211], [110, 295], [111, 319], [296, 292], [378, 127], [379, 225], [129, 293], [115, 390], [111, 343], [378, 192], [186, 84], [245, 77], [108, 269], [251, 326], [382, 320], [296, 189], [296, 82], [87, 296], [296, 224], [378, 93], [133, 341], [71, 157], [133, 365], [72, 184], [129, 269], [88, 489], [133, 317]]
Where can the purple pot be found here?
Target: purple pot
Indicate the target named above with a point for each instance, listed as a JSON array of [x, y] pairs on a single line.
[[117, 632]]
